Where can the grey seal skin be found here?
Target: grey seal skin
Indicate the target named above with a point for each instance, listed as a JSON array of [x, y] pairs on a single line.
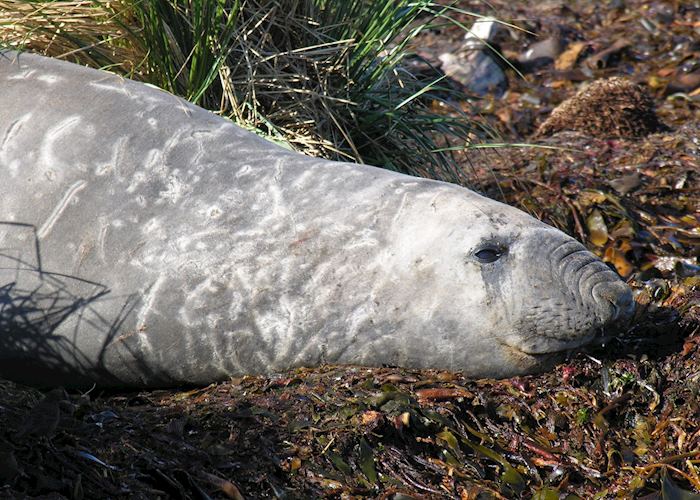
[[147, 242]]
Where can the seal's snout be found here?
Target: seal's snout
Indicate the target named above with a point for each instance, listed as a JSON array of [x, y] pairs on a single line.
[[616, 296], [601, 296]]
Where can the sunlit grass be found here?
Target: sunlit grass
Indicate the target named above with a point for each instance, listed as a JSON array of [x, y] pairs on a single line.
[[325, 76]]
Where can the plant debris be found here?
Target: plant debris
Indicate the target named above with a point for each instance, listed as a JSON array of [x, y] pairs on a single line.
[[614, 107]]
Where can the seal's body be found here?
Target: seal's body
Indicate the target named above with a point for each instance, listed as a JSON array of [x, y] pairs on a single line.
[[147, 242]]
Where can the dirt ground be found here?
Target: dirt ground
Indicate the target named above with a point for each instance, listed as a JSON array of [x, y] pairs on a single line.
[[617, 167]]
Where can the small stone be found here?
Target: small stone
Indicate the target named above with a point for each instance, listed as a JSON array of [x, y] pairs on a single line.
[[476, 71], [541, 54], [482, 33], [474, 66]]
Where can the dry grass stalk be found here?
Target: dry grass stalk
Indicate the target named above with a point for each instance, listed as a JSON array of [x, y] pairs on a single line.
[[88, 32]]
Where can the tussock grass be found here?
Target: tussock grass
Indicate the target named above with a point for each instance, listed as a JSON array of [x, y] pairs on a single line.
[[84, 31], [325, 76]]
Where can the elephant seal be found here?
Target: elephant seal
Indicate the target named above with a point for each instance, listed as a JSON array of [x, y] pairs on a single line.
[[147, 242]]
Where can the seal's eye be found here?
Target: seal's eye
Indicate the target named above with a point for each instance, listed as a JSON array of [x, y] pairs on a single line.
[[487, 255]]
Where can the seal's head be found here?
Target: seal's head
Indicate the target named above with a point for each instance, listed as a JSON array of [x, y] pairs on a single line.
[[501, 292]]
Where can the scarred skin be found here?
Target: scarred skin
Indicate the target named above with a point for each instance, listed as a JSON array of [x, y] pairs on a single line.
[[147, 242]]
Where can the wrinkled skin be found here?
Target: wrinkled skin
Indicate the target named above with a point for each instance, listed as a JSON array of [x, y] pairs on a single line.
[[147, 242]]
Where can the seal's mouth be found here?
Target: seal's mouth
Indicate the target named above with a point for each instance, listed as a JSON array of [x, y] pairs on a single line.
[[540, 359], [544, 354], [542, 345], [532, 362]]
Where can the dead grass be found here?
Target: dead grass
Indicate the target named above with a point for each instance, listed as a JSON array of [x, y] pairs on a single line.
[[85, 32]]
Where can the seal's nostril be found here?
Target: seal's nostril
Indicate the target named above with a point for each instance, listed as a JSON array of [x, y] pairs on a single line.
[[625, 303], [617, 297], [616, 311]]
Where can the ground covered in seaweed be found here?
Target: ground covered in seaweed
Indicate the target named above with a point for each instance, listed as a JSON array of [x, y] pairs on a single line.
[[618, 421]]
